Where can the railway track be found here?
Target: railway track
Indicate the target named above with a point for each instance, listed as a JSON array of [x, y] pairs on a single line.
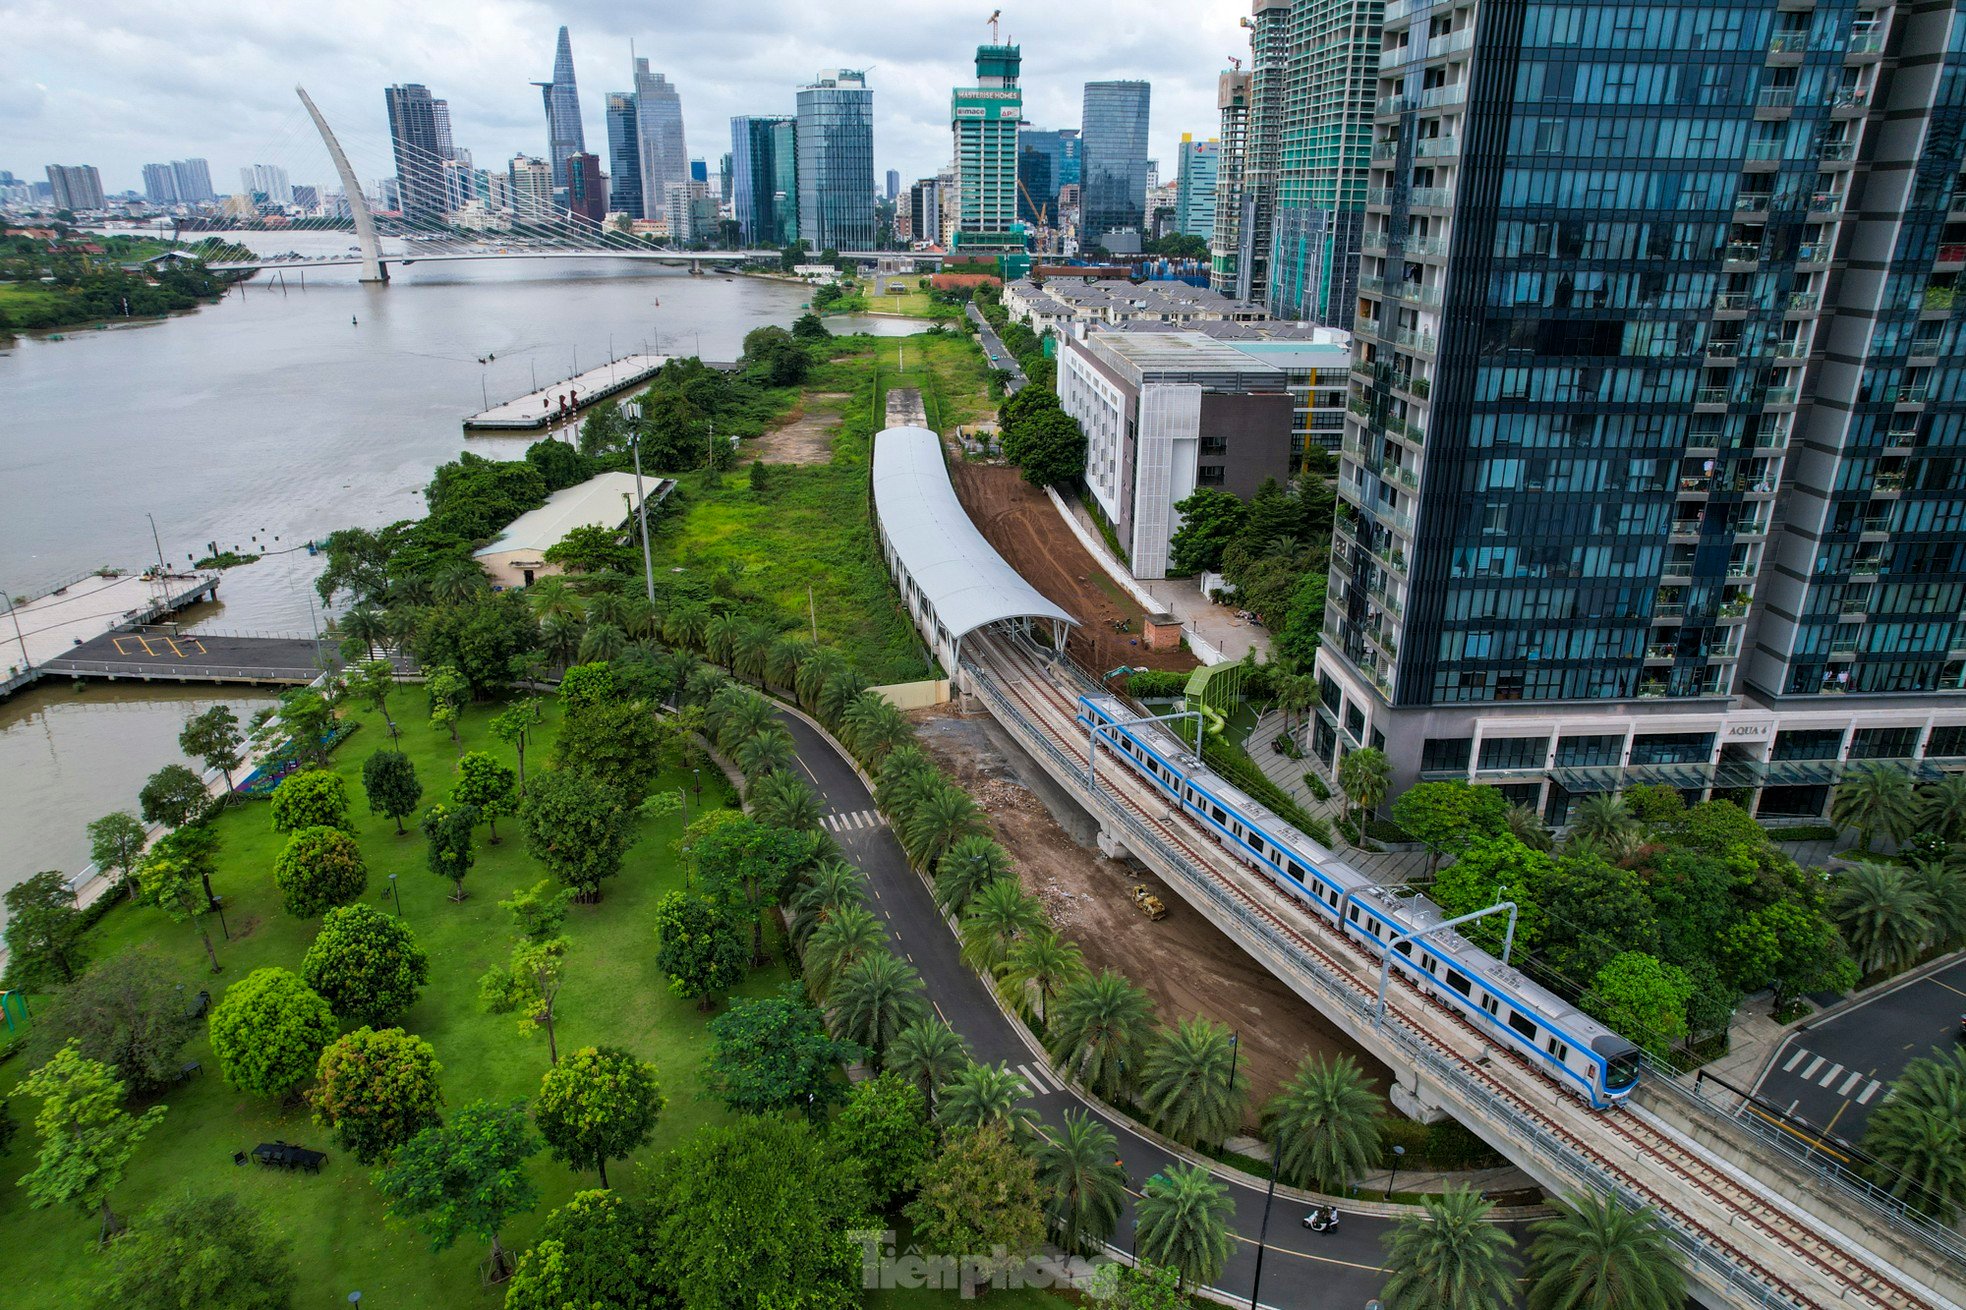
[[1795, 1259]]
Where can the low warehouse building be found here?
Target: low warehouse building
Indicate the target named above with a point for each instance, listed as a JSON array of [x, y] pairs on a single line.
[[518, 557]]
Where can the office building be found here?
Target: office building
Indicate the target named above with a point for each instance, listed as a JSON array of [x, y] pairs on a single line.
[[1648, 477], [893, 185], [659, 137], [531, 182], [1228, 272], [306, 199], [624, 156], [418, 148], [1194, 202], [1047, 163], [440, 118], [565, 137], [267, 184], [160, 184], [724, 183], [925, 211], [836, 162], [1113, 164], [193, 178], [75, 186], [699, 171], [983, 119], [587, 187], [764, 186]]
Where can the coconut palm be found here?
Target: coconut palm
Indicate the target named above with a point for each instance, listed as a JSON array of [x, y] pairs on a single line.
[[929, 1053], [1916, 1135], [736, 713], [1182, 1223], [813, 672], [602, 641], [550, 596], [1872, 799], [454, 582], [981, 1095], [1323, 1126], [765, 750], [783, 800], [787, 653], [704, 682], [938, 820], [965, 869], [640, 619], [872, 726], [1364, 775], [608, 607], [1941, 807], [684, 626], [1100, 1030], [997, 918], [874, 998], [1295, 693], [561, 635], [404, 623], [1944, 884], [1083, 1182], [1190, 1085], [363, 625], [1527, 827], [1450, 1259], [720, 639], [1882, 913], [753, 652], [1603, 822], [840, 689], [904, 776], [835, 944], [829, 885], [1599, 1254], [1036, 968]]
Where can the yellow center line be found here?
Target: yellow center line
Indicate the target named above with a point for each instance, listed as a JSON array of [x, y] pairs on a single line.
[[1949, 987]]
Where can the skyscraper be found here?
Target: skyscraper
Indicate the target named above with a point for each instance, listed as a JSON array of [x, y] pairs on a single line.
[[75, 186], [418, 149], [1228, 270], [984, 120], [587, 191], [193, 178], [1194, 212], [836, 162], [624, 155], [440, 119], [724, 167], [531, 180], [893, 184], [1113, 161], [1648, 475], [268, 182], [565, 137], [764, 178], [160, 184], [659, 135], [925, 211], [1047, 163]]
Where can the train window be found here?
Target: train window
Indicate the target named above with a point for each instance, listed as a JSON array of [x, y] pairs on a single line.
[[1216, 810], [1522, 1024], [1353, 914], [1459, 982], [1488, 1003], [1428, 962], [1296, 872], [1404, 948], [1560, 1049]]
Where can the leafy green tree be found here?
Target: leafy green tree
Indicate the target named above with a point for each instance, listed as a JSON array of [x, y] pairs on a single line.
[[43, 934], [1592, 910], [1596, 1253], [514, 726], [965, 869], [1446, 816], [593, 1253], [999, 917], [529, 986], [874, 999], [1786, 946], [602, 1104], [1140, 1286], [1182, 1222], [1643, 998], [1944, 883], [884, 1125], [617, 743], [1190, 1085], [748, 866], [591, 548], [560, 464], [87, 1138], [1323, 1126], [168, 877], [1490, 870], [319, 868], [1874, 798], [1917, 1135], [801, 1202], [375, 1090], [191, 1250], [987, 1095], [447, 849], [116, 844], [980, 1193], [1083, 1182], [1102, 1030], [1452, 1259], [540, 911], [447, 689], [1654, 803], [312, 798], [1363, 775], [393, 788], [365, 964], [930, 1053], [577, 828], [484, 785], [173, 796], [127, 1012], [467, 1176], [267, 1032], [1883, 913], [1050, 448], [1210, 520], [699, 947], [773, 1053], [214, 740]]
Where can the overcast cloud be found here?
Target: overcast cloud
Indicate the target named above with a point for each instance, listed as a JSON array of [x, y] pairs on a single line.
[[122, 83]]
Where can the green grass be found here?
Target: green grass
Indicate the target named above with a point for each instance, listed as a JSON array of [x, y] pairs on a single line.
[[613, 994], [917, 304]]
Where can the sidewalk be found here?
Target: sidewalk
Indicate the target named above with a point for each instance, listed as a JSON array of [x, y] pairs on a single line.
[[1501, 1178]]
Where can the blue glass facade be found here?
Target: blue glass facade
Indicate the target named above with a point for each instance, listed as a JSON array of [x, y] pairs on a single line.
[[1113, 159], [836, 162], [764, 203], [624, 155]]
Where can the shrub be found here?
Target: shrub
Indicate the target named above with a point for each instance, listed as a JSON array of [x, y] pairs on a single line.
[[1317, 786], [321, 867], [312, 798]]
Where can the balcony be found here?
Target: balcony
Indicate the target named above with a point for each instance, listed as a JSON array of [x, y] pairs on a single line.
[[1651, 690], [1813, 252], [1938, 298], [1803, 302], [1907, 395], [1764, 151], [1398, 10], [1391, 105], [1780, 396], [1412, 339], [1866, 568], [1374, 242], [1727, 349], [1742, 252], [1878, 525], [1710, 396], [1731, 303], [1854, 605], [1865, 43], [1926, 345], [1752, 202], [1838, 152], [1436, 96], [1789, 349], [1670, 611], [1437, 147], [1433, 197], [1952, 252], [1849, 98], [1695, 486], [1827, 204], [1775, 97], [1890, 483], [1788, 43]]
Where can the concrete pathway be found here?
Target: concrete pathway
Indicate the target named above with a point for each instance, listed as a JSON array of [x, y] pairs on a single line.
[[537, 408]]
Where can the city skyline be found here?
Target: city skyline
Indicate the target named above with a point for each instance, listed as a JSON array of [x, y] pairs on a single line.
[[90, 99]]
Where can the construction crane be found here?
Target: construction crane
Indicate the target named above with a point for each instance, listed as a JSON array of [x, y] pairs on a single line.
[[995, 14], [1235, 63], [1032, 201]]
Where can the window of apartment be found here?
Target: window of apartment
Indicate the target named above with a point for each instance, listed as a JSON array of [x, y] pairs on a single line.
[[1514, 752], [1355, 723], [1946, 742], [1672, 748], [1327, 692], [1451, 753], [1883, 743], [1210, 475], [1808, 744], [1588, 752]]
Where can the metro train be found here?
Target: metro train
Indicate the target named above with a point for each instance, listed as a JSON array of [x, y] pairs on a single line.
[[1565, 1043]]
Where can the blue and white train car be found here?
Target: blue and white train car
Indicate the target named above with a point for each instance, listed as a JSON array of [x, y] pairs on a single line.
[[1571, 1047]]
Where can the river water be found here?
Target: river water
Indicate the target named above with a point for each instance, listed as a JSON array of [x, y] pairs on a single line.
[[297, 405]]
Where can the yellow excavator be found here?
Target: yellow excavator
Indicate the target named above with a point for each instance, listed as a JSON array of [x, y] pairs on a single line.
[[1150, 904]]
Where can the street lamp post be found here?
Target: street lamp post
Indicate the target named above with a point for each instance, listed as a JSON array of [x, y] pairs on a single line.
[[396, 896], [25, 662], [633, 409], [1263, 1234], [1235, 1051], [1399, 1153], [218, 903]]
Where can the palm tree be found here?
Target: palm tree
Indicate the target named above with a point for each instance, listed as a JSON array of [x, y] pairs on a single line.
[[1037, 967], [1083, 1183], [835, 944], [602, 641], [813, 672], [1882, 913], [457, 581], [929, 1053], [965, 869], [640, 619], [561, 636], [1872, 799], [936, 822], [1190, 1086], [999, 915], [1364, 775], [1527, 827], [1598, 1254], [1944, 884], [840, 689], [363, 624], [1295, 693], [872, 726], [783, 800], [787, 653], [1942, 806], [1323, 1126], [736, 713], [1917, 1135], [403, 623], [903, 777], [720, 639], [874, 998], [829, 886], [1452, 1259], [608, 607], [1101, 1030], [765, 750], [704, 682], [551, 596], [985, 1094], [684, 626], [753, 654], [1182, 1222], [1603, 821]]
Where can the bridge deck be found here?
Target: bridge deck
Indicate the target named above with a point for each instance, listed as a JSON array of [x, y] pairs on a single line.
[[160, 655], [538, 408], [52, 626]]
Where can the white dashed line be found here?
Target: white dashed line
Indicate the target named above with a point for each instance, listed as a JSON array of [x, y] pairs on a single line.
[[1814, 1065], [1801, 1054], [1830, 1077]]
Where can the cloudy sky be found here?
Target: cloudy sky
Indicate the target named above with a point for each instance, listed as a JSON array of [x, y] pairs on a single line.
[[121, 83]]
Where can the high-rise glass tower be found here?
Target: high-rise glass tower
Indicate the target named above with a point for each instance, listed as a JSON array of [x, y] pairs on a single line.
[[1047, 162], [836, 162], [565, 137], [624, 155], [194, 180], [1113, 160], [983, 119], [414, 139], [1649, 473], [75, 186], [1194, 203], [659, 137], [765, 178]]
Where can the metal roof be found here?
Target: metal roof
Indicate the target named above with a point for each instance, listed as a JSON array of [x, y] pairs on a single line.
[[603, 501], [960, 573]]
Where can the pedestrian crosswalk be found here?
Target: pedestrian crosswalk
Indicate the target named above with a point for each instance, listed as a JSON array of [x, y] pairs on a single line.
[[1827, 1073], [1037, 1076], [855, 821]]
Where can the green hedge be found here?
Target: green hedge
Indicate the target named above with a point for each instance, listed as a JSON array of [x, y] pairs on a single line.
[[1233, 763]]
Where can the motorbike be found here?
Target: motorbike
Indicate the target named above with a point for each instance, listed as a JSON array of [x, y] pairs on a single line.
[[1321, 1220]]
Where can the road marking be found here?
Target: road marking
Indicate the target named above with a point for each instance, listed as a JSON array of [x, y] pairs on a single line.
[[1869, 1092], [1854, 1079], [1949, 987], [1814, 1065], [1801, 1054], [1830, 1077]]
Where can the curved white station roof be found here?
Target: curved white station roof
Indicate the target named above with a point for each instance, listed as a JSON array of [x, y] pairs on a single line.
[[960, 573]]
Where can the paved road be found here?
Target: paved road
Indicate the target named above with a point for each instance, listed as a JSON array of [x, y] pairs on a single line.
[[993, 347], [1835, 1072], [1301, 1269]]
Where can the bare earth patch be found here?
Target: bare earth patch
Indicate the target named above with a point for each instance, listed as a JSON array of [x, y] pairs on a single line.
[[806, 437]]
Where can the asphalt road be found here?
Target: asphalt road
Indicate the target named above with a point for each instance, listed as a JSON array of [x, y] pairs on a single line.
[[1300, 1269], [993, 347], [1835, 1072]]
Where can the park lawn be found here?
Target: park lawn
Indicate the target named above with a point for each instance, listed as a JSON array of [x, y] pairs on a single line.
[[613, 994], [916, 304]]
